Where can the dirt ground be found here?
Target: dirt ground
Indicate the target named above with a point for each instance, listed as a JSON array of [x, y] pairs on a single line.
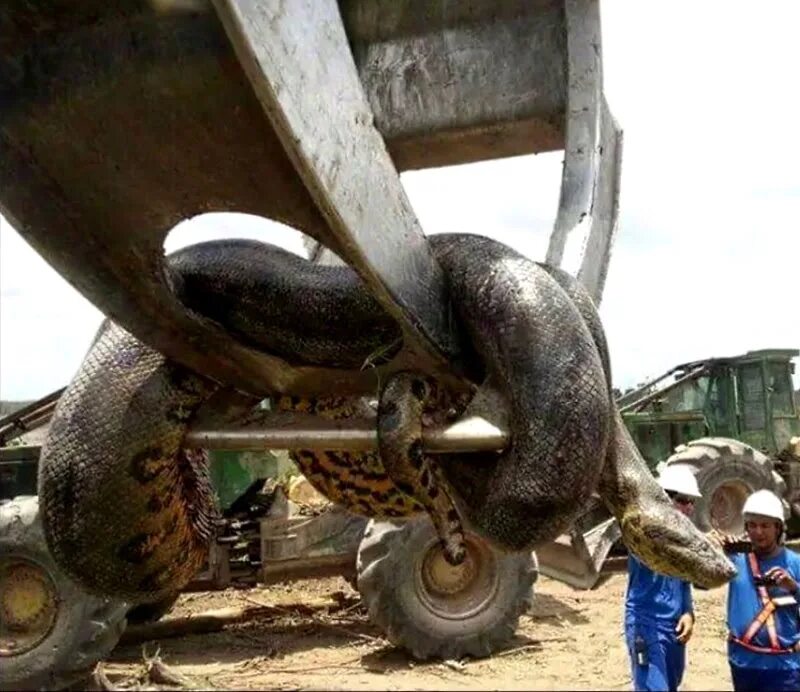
[[571, 640]]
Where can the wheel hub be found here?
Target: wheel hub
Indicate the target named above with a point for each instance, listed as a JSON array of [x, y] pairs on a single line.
[[28, 606], [443, 578], [457, 591]]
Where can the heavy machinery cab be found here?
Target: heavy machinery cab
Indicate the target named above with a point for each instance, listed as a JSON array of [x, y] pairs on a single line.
[[747, 398]]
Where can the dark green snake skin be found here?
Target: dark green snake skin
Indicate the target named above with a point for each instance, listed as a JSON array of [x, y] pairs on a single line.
[[129, 513]]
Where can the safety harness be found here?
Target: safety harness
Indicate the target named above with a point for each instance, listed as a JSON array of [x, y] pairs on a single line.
[[766, 616]]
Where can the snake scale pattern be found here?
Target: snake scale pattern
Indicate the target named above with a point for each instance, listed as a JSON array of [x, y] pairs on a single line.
[[128, 512]]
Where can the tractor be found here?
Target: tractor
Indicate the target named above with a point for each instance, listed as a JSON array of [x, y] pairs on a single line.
[[734, 421], [51, 631], [120, 120]]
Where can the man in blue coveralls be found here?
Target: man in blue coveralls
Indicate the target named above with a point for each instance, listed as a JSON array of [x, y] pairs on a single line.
[[763, 617], [659, 616]]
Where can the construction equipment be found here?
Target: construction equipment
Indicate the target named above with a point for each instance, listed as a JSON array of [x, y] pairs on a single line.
[[121, 119], [300, 108], [733, 420], [51, 631]]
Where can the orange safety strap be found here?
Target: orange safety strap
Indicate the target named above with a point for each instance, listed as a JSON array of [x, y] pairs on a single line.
[[767, 611], [766, 616], [760, 649]]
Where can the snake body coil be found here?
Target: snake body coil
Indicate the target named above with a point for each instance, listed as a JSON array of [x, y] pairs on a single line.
[[129, 513]]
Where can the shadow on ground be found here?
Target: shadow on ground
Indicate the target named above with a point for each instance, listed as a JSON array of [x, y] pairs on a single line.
[[547, 607]]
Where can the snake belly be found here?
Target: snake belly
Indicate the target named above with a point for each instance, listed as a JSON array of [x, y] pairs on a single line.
[[129, 513]]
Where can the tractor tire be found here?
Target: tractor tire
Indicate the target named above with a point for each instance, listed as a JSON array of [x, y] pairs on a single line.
[[151, 612], [432, 609], [51, 632], [727, 471]]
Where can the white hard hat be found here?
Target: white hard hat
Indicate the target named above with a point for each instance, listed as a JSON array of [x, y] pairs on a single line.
[[764, 503], [679, 478]]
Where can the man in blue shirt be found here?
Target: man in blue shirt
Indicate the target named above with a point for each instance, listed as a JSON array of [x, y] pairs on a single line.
[[659, 616], [763, 617]]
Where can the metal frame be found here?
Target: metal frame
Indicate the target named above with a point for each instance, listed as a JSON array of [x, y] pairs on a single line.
[[298, 61], [589, 202], [111, 132]]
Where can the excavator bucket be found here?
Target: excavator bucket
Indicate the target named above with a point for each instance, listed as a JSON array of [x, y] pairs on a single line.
[[119, 119]]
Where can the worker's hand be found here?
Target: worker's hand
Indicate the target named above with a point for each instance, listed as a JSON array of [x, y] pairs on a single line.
[[684, 628], [782, 578], [722, 539]]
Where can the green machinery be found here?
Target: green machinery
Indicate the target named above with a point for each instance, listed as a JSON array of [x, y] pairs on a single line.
[[121, 119], [734, 420], [747, 397]]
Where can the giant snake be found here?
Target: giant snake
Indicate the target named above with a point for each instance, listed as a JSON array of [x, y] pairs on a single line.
[[129, 512]]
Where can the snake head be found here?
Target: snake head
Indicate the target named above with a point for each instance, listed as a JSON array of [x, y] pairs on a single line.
[[669, 543]]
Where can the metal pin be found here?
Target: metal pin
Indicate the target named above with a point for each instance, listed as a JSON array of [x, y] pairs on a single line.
[[296, 431]]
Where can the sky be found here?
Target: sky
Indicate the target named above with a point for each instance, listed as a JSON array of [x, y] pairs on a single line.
[[707, 256]]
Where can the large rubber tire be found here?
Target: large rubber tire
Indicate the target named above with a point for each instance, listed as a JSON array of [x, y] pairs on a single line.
[[396, 563], [727, 471], [71, 629]]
